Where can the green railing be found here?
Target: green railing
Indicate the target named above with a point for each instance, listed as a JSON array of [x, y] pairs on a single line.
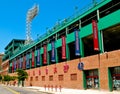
[[58, 26], [65, 21]]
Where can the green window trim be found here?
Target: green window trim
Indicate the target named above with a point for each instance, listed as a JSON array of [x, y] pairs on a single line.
[[110, 84]]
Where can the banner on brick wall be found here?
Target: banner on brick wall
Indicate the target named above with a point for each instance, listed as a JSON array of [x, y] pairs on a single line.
[[45, 55], [24, 62], [15, 65], [77, 43], [63, 47], [33, 59], [27, 61], [53, 51], [38, 57], [95, 35], [21, 61], [12, 66], [18, 62]]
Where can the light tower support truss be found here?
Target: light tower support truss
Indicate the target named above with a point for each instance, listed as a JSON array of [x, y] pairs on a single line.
[[32, 12]]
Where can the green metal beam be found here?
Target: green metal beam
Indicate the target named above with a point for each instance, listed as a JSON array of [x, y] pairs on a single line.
[[85, 31]]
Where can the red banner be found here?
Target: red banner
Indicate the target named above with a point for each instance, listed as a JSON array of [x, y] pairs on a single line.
[[45, 55], [63, 47], [12, 66], [39, 72], [33, 59], [55, 69], [46, 70], [16, 63], [24, 62], [95, 35], [33, 73]]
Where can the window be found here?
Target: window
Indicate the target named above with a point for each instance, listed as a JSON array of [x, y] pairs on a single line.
[[31, 78], [73, 77], [92, 79], [60, 78], [43, 78], [115, 74], [51, 78], [36, 78]]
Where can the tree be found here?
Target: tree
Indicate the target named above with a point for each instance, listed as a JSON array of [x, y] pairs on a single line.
[[12, 78], [22, 75], [6, 78]]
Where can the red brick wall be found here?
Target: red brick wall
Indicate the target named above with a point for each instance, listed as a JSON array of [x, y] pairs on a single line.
[[106, 60]]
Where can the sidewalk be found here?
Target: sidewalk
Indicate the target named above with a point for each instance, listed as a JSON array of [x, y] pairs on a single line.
[[71, 91]]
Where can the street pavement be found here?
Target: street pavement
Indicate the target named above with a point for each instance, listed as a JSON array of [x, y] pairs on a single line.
[[41, 90], [4, 89], [72, 91]]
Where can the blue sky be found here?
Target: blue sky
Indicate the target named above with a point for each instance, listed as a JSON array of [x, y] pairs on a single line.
[[13, 17]]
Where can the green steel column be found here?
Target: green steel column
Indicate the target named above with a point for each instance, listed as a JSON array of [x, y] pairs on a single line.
[[81, 48], [100, 39], [56, 57], [48, 58], [81, 43], [110, 84], [67, 52], [84, 80], [98, 15], [100, 34], [56, 53], [67, 47], [40, 58]]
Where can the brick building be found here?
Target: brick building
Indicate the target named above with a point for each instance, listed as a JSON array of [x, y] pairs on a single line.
[[1, 55], [82, 52], [5, 67]]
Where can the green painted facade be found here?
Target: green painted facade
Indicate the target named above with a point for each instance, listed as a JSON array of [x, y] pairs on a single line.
[[103, 23]]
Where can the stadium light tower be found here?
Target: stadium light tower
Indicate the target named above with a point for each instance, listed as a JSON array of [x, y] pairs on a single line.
[[32, 12]]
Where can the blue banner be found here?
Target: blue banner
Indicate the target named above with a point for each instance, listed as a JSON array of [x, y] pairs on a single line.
[[77, 43], [18, 62], [20, 66], [53, 51], [27, 61], [38, 57], [14, 65]]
